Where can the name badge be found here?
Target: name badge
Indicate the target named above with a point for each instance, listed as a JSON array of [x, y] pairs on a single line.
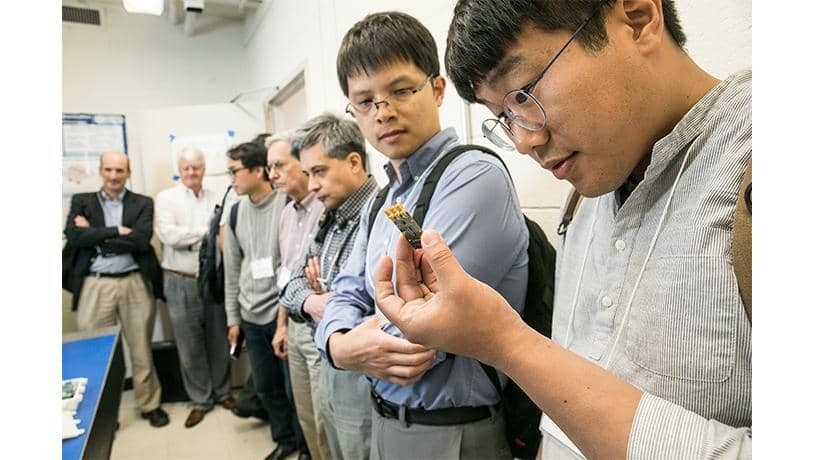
[[262, 268], [283, 277]]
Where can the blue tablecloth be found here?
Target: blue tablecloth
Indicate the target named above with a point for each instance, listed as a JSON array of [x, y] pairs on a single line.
[[88, 358]]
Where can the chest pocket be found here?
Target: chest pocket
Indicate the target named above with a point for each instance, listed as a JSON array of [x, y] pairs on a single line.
[[684, 314]]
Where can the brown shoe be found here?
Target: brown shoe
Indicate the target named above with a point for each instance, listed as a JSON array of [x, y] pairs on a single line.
[[229, 403], [195, 417]]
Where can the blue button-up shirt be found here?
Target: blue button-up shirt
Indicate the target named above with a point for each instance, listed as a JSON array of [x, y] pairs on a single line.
[[476, 210], [119, 263]]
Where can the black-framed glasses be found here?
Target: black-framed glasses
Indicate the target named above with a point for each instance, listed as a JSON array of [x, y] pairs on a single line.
[[520, 108], [369, 107], [234, 172]]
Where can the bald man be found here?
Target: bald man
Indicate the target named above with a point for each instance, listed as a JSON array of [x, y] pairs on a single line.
[[116, 275]]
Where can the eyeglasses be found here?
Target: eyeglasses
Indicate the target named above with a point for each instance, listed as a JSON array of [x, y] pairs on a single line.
[[401, 96], [277, 165], [520, 107], [234, 172]]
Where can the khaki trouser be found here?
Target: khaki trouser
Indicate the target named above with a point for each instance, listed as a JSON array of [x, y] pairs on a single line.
[[304, 371], [103, 302]]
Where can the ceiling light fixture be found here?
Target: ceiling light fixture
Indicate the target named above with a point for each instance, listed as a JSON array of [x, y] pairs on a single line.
[[144, 6]]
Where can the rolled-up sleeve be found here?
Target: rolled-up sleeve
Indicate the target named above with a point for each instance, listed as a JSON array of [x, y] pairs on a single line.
[[296, 291], [662, 429], [350, 302]]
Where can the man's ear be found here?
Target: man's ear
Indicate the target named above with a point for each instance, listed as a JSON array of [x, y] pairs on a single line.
[[645, 20], [439, 89], [260, 173], [355, 162]]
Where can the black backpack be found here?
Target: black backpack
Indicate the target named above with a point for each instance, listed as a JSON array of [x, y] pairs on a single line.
[[210, 279], [522, 414]]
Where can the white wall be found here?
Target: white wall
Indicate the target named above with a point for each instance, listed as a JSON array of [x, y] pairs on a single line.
[[136, 62], [140, 61], [287, 36]]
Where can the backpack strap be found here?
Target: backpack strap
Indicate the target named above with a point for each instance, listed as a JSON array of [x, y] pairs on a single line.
[[379, 200], [226, 194], [741, 244], [573, 200], [233, 222], [429, 186], [233, 218]]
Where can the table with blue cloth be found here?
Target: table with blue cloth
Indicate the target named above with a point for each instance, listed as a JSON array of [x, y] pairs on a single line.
[[96, 355]]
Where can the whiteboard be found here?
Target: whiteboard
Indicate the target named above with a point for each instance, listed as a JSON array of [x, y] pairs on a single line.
[[214, 147]]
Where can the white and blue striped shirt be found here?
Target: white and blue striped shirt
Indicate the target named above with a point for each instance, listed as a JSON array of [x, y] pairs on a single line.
[[686, 340]]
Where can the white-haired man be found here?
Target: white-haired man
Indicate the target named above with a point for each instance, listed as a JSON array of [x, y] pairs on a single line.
[[182, 216]]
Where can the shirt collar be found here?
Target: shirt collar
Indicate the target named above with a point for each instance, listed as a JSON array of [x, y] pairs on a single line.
[[190, 192], [354, 203], [118, 198], [306, 203], [689, 127], [417, 162]]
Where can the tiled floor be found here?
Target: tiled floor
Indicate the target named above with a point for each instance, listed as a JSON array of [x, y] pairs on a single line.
[[220, 436]]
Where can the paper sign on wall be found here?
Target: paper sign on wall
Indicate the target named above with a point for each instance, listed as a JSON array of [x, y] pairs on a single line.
[[84, 138], [214, 147]]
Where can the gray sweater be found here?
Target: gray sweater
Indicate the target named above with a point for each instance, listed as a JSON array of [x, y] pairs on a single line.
[[248, 298]]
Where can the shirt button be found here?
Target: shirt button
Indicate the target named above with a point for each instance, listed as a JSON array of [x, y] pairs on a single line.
[[300, 224], [620, 245], [606, 301], [416, 177]]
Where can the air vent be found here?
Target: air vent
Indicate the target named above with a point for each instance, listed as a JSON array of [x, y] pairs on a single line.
[[80, 15]]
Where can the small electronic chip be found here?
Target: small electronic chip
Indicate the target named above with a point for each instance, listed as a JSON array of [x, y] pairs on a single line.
[[405, 223]]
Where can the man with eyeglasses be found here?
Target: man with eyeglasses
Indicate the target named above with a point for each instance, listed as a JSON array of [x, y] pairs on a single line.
[[651, 349], [251, 294], [427, 404], [182, 218], [293, 338], [332, 153]]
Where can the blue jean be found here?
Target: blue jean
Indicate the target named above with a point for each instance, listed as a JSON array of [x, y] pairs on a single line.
[[271, 377]]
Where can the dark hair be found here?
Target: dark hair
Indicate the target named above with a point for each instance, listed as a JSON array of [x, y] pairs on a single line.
[[482, 30], [337, 136], [250, 154], [261, 138], [381, 39]]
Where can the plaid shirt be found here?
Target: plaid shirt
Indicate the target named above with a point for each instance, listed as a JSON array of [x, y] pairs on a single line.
[[332, 252]]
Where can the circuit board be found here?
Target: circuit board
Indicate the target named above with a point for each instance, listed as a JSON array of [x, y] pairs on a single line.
[[405, 223]]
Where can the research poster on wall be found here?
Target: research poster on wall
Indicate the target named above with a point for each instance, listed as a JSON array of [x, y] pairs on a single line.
[[84, 138]]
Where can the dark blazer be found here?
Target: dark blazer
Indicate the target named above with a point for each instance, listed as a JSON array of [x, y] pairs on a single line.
[[80, 249]]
